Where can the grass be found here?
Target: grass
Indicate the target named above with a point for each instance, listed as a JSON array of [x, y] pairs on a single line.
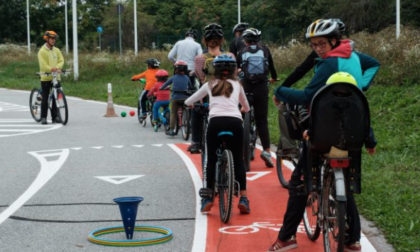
[[391, 185]]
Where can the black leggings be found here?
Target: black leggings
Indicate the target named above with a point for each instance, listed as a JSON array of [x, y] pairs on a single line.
[[235, 144], [46, 88], [260, 104]]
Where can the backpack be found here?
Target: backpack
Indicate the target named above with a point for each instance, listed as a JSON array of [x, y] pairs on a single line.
[[254, 65]]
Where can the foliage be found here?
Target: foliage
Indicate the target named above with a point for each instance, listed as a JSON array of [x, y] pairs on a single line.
[[165, 21]]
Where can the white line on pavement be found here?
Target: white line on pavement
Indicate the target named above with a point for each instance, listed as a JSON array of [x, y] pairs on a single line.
[[48, 169], [200, 231]]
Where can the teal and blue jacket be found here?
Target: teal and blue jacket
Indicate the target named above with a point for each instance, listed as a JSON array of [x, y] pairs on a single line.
[[341, 59]]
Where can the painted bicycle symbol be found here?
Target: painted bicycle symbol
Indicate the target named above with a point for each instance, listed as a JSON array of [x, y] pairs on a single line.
[[255, 227]]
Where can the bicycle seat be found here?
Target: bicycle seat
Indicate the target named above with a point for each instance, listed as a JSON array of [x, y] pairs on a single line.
[[225, 133]]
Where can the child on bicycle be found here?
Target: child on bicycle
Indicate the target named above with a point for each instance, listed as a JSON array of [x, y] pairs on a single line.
[[181, 83], [162, 96], [225, 94], [150, 75]]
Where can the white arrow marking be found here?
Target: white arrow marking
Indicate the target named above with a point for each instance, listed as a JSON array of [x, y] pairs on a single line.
[[77, 148], [138, 146], [118, 146], [117, 180], [157, 145], [256, 176], [48, 169], [97, 147]]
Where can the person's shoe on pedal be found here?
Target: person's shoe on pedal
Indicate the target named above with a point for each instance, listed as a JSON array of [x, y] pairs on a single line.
[[353, 247], [244, 205], [266, 156], [195, 148], [206, 205], [170, 133], [56, 120], [280, 246], [44, 120]]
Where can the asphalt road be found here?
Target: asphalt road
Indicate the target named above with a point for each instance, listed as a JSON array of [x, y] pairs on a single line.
[[68, 200]]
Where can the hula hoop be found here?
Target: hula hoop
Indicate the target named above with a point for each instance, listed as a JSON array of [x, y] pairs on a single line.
[[93, 237]]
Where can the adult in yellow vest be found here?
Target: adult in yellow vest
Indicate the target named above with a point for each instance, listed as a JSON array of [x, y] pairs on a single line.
[[50, 60]]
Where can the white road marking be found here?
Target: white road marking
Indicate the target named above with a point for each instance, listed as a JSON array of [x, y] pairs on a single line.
[[157, 145], [367, 246], [118, 146], [48, 170], [138, 146], [117, 180], [15, 127], [97, 147], [200, 231], [76, 148], [10, 107], [256, 176]]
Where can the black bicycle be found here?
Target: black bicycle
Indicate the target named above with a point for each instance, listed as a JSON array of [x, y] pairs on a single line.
[[224, 185], [250, 134], [56, 94]]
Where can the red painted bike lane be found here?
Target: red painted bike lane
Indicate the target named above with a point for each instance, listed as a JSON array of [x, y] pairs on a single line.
[[259, 229]]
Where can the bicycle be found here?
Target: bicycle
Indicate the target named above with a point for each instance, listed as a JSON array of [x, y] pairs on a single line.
[[149, 108], [250, 134], [225, 185], [334, 153], [164, 117], [56, 94], [286, 163], [183, 120]]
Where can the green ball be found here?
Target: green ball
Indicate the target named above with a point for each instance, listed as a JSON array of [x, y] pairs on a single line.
[[123, 114]]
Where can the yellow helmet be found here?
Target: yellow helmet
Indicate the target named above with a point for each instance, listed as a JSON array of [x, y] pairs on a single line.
[[341, 77]]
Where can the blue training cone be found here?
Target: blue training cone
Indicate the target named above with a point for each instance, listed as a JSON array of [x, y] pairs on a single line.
[[128, 208]]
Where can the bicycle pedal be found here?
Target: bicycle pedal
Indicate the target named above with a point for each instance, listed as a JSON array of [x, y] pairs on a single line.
[[206, 193]]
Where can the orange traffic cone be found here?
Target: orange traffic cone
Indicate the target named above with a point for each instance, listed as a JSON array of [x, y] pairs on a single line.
[[110, 111]]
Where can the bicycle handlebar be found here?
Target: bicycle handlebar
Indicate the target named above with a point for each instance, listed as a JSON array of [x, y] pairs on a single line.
[[64, 72]]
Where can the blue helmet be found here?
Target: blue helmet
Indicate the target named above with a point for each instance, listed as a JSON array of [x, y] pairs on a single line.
[[224, 64]]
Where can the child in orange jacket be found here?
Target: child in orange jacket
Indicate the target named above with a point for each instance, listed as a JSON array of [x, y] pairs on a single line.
[[149, 74]]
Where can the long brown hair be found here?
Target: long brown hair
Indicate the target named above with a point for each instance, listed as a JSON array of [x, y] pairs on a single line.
[[220, 85]]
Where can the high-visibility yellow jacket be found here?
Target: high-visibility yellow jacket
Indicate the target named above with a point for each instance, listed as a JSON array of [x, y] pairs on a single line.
[[49, 58]]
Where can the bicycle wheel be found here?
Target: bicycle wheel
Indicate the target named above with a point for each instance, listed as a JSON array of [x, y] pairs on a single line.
[[139, 114], [334, 212], [253, 134], [225, 185], [178, 118], [203, 143], [35, 100], [310, 217], [247, 142], [167, 116], [185, 128], [150, 113], [62, 108], [285, 167]]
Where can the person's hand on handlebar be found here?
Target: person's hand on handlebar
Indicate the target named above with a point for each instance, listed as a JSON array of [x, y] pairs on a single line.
[[271, 80], [54, 69]]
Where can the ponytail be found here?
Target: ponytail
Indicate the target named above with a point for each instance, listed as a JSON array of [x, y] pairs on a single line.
[[223, 87]]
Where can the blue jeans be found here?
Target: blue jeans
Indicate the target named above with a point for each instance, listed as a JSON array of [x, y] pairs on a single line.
[[156, 108]]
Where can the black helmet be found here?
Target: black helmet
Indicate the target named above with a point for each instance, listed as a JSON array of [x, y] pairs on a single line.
[[191, 33], [154, 63], [240, 27], [212, 31], [251, 35], [341, 27], [224, 65]]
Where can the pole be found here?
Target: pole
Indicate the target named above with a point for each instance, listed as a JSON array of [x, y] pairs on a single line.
[[239, 11], [119, 20], [398, 19], [67, 29], [100, 44], [135, 27], [29, 29], [75, 49]]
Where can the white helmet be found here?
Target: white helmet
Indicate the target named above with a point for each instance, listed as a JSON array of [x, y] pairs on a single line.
[[322, 28]]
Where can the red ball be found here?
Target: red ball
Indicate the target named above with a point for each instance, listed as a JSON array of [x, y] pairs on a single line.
[[132, 113]]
